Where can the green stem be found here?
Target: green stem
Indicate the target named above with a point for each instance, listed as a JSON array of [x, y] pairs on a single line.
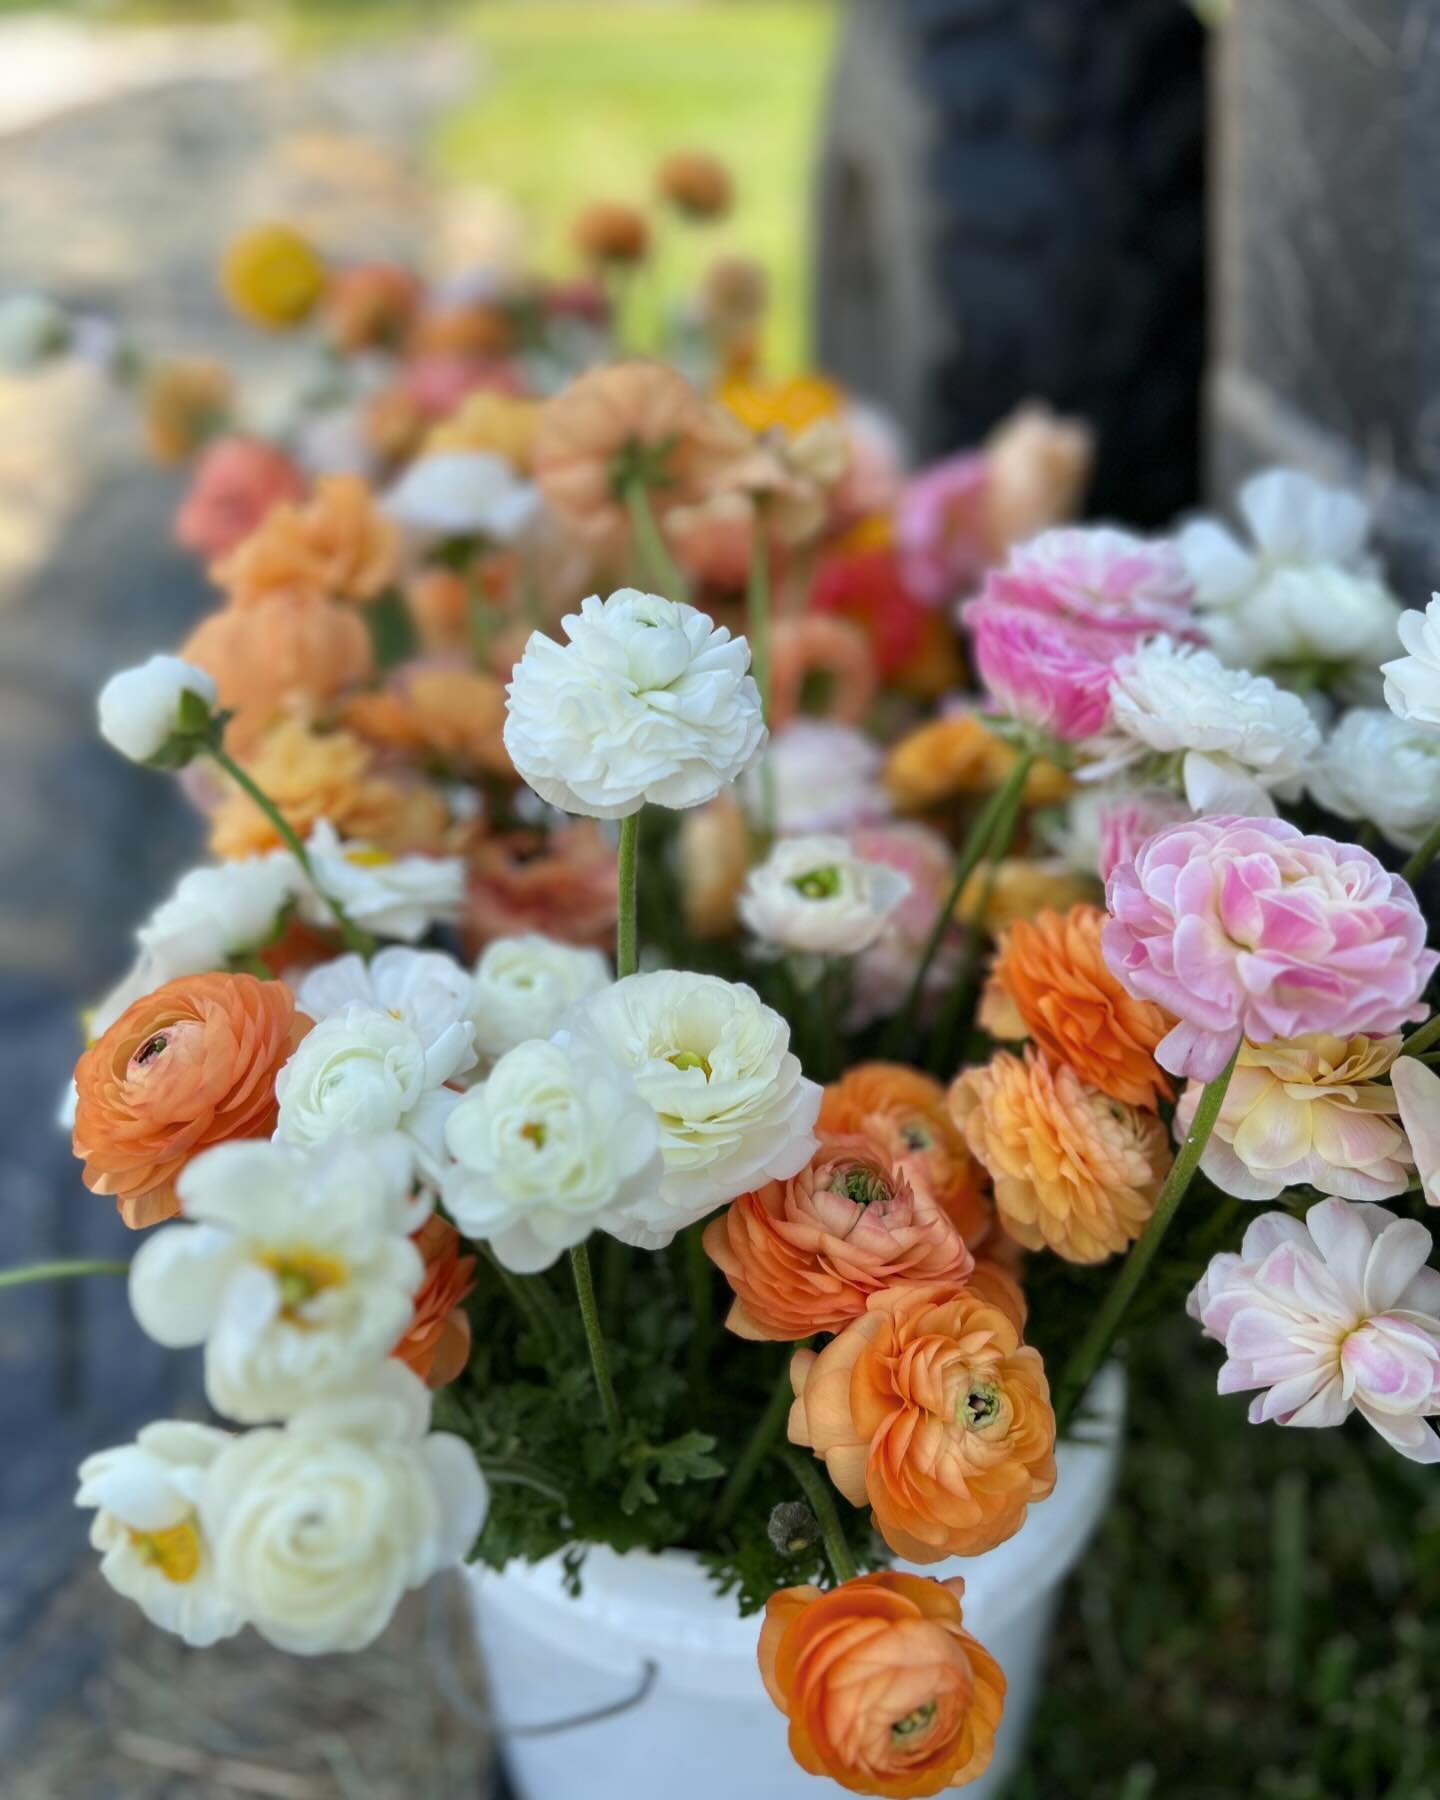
[[1424, 856], [627, 956], [1094, 1346], [660, 567], [822, 1504], [1422, 1039], [757, 1446], [700, 1272], [355, 939], [594, 1337], [530, 1298], [59, 1271], [757, 624]]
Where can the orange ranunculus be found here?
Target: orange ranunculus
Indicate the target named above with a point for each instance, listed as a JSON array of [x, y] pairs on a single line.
[[183, 403], [906, 1112], [1038, 466], [826, 654], [237, 481], [490, 421], [437, 1345], [370, 306], [804, 1255], [473, 329], [337, 546], [563, 884], [931, 1408], [959, 754], [1021, 888], [1052, 968], [454, 715], [608, 231], [278, 655], [734, 293], [1074, 1170], [790, 407], [885, 1691], [191, 1065], [695, 184], [630, 421], [392, 425], [713, 857]]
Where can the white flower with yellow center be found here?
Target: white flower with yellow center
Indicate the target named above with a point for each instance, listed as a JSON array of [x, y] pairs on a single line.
[[392, 896], [296, 1274], [816, 895], [319, 1528], [555, 1143], [524, 985], [716, 1066], [153, 1549]]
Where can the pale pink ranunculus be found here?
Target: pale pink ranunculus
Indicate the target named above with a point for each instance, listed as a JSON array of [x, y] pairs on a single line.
[[1417, 1094], [1100, 580], [942, 529], [1130, 819], [1334, 1316], [1249, 927], [881, 976], [1039, 671], [236, 483]]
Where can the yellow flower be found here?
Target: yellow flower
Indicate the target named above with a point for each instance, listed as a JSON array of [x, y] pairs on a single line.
[[1021, 889], [272, 276], [959, 754], [490, 421], [789, 406]]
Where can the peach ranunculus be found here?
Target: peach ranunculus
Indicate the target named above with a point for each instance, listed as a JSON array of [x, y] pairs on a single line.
[[959, 754], [370, 306], [437, 1345], [237, 481], [930, 1408], [190, 1065], [713, 859], [183, 403], [827, 655], [1051, 969], [714, 539], [1038, 466], [1019, 888], [337, 546], [279, 655], [804, 1255], [630, 422], [498, 423], [563, 885], [885, 1691], [1074, 1170], [734, 296], [453, 715], [905, 1111], [696, 184]]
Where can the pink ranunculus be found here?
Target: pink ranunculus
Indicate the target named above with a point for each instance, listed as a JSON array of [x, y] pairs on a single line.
[[1039, 671], [1125, 825], [1333, 1316], [942, 529], [1249, 927], [882, 974], [438, 381], [1102, 581], [236, 483]]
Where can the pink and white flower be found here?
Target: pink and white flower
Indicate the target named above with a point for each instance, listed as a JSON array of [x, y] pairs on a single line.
[[1039, 672], [1101, 580], [1247, 927], [942, 528], [1334, 1316]]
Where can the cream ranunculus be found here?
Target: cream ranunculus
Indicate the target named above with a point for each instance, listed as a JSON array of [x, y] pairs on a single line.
[[426, 989], [826, 777], [158, 712], [319, 1528], [815, 894], [146, 1497], [648, 701], [296, 1272], [463, 493], [555, 1143], [1412, 681], [364, 1071], [1309, 1109], [1378, 768], [393, 896], [715, 1064], [524, 985]]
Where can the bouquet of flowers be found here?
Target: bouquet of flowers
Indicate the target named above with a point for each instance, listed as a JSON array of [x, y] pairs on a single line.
[[660, 1059]]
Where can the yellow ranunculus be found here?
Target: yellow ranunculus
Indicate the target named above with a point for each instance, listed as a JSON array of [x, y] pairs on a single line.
[[272, 276], [788, 406]]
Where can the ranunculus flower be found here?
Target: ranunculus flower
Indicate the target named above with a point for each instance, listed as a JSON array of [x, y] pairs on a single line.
[[931, 1409], [815, 895], [1417, 1093], [883, 974], [554, 1144], [716, 1065], [1051, 970], [491, 421], [1038, 465], [523, 986], [885, 1692], [942, 529], [648, 701], [279, 655], [1249, 927], [463, 493], [1105, 581], [1126, 820], [146, 1497], [338, 545], [157, 712], [424, 989], [1334, 1316], [184, 400], [1379, 769], [370, 306], [320, 1527], [272, 275], [1075, 1171], [395, 896], [294, 1269], [237, 481], [827, 652], [1412, 681], [804, 1255], [1018, 888], [309, 775], [451, 716], [1310, 1110], [959, 753], [437, 1345], [1039, 671], [191, 1065], [867, 587], [825, 778], [560, 883]]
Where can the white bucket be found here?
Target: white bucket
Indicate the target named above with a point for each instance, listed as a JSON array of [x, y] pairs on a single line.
[[706, 1730]]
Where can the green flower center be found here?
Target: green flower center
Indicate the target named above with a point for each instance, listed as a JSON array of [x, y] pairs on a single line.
[[817, 884], [690, 1059], [866, 1187], [914, 1723], [981, 1405]]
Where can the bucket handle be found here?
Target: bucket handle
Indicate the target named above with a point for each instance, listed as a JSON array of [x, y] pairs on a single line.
[[440, 1646]]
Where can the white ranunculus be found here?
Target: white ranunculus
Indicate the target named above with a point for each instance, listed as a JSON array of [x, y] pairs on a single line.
[[364, 1071], [144, 710], [1239, 738], [32, 330], [553, 1144], [524, 985], [1379, 769], [294, 1269], [1412, 681], [463, 493], [826, 777], [815, 894], [320, 1527], [715, 1064], [219, 912], [147, 1528], [426, 989], [392, 896], [649, 701]]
